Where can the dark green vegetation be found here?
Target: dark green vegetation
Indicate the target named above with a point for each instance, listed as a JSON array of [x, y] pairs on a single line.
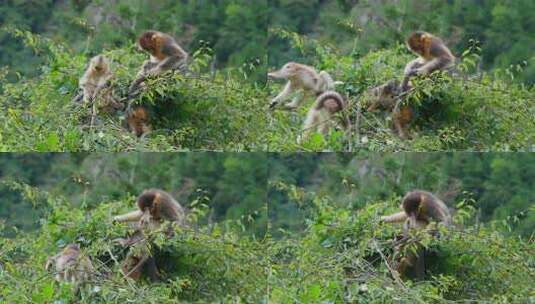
[[216, 106], [219, 257], [234, 29], [504, 29], [323, 241], [231, 185], [487, 105], [330, 246]]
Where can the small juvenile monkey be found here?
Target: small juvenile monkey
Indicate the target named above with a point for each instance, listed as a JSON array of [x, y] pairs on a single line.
[[95, 78], [386, 96], [301, 79], [155, 206], [70, 266], [95, 87], [138, 121], [320, 116], [433, 55], [165, 55]]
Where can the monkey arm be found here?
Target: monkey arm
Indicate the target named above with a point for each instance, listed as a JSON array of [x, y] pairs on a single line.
[[395, 218], [169, 63], [286, 91], [133, 216], [412, 66], [141, 74], [438, 63]]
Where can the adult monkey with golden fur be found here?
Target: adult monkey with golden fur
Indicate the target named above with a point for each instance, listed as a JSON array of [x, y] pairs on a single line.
[[70, 266], [419, 209], [154, 207], [433, 55], [165, 55]]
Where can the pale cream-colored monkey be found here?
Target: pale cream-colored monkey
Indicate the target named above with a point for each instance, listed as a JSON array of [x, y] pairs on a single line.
[[95, 78], [95, 87], [70, 266], [320, 117], [302, 80]]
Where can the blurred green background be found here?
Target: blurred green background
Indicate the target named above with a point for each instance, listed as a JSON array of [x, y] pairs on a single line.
[[498, 185], [504, 29], [234, 29], [232, 185]]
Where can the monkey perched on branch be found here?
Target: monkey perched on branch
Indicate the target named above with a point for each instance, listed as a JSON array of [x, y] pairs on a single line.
[[96, 91], [70, 266], [165, 55], [433, 55], [420, 208], [320, 116], [154, 207], [301, 79], [386, 96]]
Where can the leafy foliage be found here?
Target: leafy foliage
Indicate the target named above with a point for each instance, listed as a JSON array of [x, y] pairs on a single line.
[[342, 255], [464, 111], [204, 110], [202, 263]]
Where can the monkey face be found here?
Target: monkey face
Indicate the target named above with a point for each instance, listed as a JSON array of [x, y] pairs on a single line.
[[146, 42], [415, 43], [383, 96], [286, 72], [99, 64]]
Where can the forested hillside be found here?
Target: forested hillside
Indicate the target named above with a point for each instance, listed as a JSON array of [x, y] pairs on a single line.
[[281, 228], [504, 29], [330, 246], [221, 103], [87, 180]]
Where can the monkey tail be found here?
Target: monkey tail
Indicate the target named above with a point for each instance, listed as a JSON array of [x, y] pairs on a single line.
[[327, 82]]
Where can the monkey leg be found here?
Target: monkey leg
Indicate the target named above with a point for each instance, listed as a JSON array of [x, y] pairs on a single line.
[[151, 269], [286, 91], [412, 264], [295, 103], [401, 121]]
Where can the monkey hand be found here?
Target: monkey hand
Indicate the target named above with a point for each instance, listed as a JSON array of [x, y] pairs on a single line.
[[414, 72], [273, 104]]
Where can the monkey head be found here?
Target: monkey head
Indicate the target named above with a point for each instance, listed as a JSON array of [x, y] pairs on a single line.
[[99, 64], [419, 42], [149, 202], [150, 41], [288, 71], [383, 96]]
